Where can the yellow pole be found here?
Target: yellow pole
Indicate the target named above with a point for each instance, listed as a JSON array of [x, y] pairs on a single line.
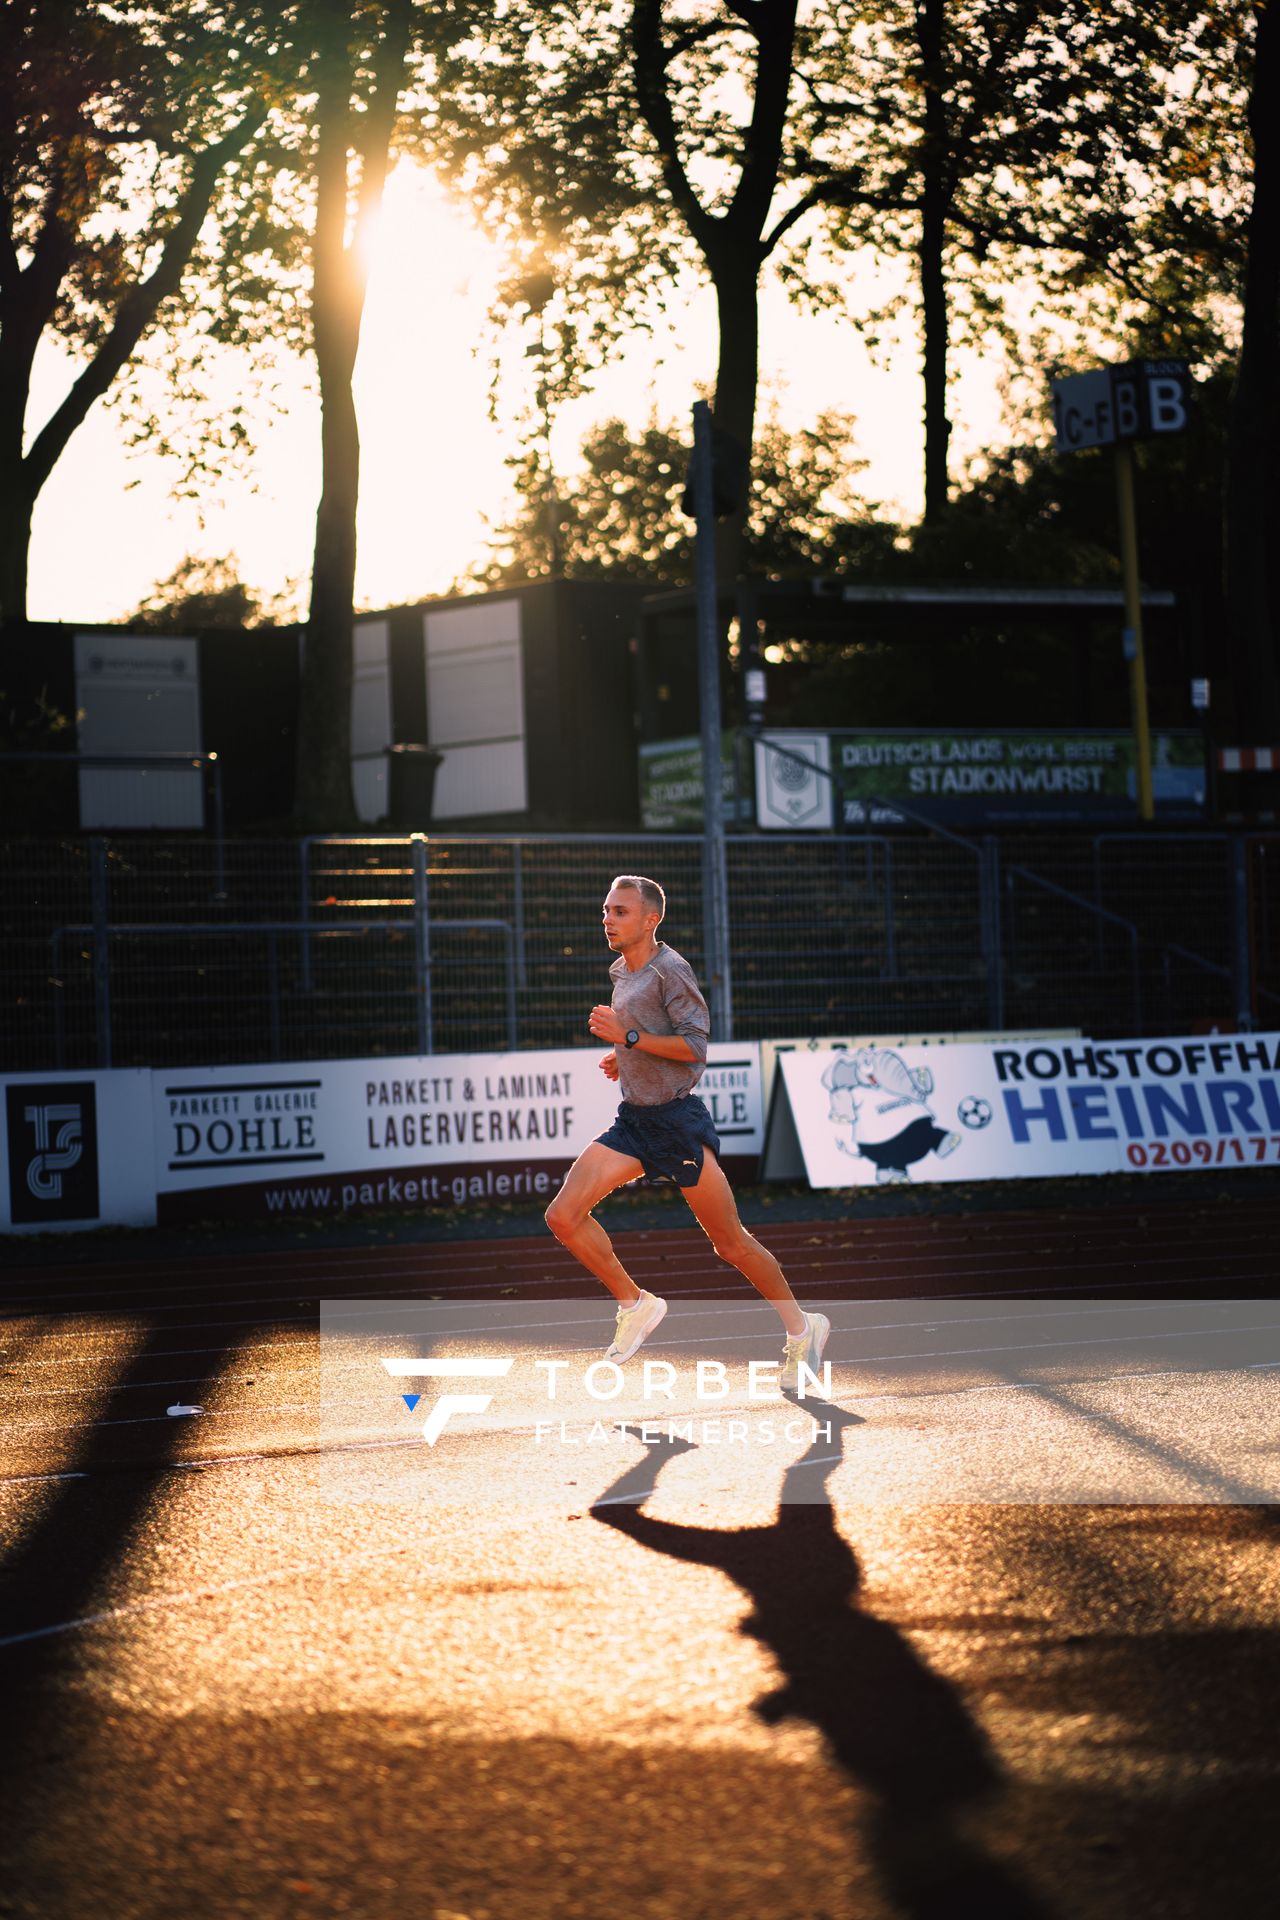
[[1133, 625]]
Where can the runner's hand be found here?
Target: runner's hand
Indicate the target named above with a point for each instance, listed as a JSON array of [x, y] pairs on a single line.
[[609, 1065], [606, 1025]]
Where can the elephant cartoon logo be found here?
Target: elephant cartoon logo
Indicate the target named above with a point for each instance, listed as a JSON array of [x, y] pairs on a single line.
[[884, 1104]]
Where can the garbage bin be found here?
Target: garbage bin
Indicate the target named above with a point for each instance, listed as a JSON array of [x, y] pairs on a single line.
[[411, 785]]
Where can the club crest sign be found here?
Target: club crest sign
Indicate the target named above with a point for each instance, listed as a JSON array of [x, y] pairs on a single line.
[[53, 1151]]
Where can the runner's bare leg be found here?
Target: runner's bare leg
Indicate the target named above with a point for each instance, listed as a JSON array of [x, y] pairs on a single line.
[[716, 1211], [596, 1172]]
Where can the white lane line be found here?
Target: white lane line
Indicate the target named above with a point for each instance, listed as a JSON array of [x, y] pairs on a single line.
[[307, 1343], [189, 1594], [1054, 1310], [139, 1386], [993, 1229], [684, 1260], [1117, 1279], [320, 1408], [1002, 1293], [21, 1479]]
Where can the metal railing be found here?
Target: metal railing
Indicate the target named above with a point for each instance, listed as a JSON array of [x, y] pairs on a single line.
[[172, 762], [126, 951], [271, 930]]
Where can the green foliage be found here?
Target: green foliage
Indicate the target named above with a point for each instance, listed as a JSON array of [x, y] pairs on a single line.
[[621, 515], [1034, 517], [118, 152], [1099, 158], [199, 593]]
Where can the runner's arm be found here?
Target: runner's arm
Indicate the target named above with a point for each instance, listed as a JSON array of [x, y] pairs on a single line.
[[606, 1024]]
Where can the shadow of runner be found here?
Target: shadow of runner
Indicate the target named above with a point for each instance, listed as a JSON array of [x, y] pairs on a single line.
[[894, 1726], [56, 1572]]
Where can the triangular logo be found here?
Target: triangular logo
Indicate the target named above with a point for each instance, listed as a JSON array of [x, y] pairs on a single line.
[[411, 1400]]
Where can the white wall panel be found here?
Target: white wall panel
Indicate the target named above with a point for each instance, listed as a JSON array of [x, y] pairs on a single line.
[[370, 718], [138, 693], [475, 708]]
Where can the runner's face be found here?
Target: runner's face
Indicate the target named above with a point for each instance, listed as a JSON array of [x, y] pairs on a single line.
[[625, 919]]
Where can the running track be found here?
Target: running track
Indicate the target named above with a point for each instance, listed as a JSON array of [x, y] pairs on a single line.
[[228, 1700], [100, 1351]]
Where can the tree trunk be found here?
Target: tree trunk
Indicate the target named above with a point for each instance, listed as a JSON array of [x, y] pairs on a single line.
[[323, 799], [15, 548], [1254, 419], [737, 374], [930, 23], [732, 243], [28, 302], [23, 315]]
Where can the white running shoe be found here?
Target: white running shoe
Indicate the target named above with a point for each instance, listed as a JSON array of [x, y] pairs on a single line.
[[635, 1324], [804, 1349]]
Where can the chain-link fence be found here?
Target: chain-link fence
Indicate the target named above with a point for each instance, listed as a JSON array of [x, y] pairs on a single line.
[[140, 950]]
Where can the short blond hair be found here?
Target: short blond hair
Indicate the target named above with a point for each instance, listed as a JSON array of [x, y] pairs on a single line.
[[655, 900]]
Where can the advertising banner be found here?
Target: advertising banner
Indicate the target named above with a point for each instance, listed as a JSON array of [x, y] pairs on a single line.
[[882, 1115], [783, 1158], [1002, 775], [671, 784], [441, 1131], [77, 1151], [830, 1043], [1012, 775]]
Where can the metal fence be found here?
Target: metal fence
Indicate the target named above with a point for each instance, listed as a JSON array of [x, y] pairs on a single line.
[[138, 950]]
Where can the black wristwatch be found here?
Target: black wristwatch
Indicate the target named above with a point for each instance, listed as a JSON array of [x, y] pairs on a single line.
[[632, 1037]]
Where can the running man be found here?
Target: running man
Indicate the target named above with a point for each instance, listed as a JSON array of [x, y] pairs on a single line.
[[658, 1025]]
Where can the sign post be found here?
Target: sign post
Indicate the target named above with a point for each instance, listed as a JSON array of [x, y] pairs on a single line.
[[1133, 646], [1113, 407], [715, 906]]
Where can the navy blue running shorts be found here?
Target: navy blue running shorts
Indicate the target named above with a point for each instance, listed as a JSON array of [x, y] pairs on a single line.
[[667, 1140]]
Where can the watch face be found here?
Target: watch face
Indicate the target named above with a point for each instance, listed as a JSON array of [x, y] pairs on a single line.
[[632, 1037]]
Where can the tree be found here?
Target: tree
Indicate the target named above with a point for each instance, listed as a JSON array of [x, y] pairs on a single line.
[[121, 134], [198, 593], [360, 68], [621, 516], [987, 141], [1252, 483], [616, 143], [998, 143]]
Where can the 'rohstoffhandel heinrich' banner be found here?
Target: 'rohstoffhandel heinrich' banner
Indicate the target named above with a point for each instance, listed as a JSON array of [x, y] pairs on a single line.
[[877, 1114]]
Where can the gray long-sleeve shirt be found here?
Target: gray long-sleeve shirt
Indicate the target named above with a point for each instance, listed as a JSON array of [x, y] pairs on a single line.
[[661, 997]]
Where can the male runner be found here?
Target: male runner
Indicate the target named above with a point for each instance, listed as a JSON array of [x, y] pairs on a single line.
[[658, 1024]]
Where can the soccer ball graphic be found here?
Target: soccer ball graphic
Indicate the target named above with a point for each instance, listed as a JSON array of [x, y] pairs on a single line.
[[973, 1111]]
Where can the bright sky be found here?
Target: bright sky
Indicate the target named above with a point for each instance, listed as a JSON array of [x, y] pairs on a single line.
[[106, 528]]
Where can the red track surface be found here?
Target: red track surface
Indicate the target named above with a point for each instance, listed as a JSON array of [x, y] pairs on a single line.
[[1197, 1247], [94, 1353], [229, 1699]]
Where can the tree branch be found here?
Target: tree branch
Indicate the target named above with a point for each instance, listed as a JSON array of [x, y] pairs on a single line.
[[840, 193], [1017, 24], [698, 36], [752, 13], [374, 144], [139, 307], [10, 267], [763, 144], [649, 63]]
